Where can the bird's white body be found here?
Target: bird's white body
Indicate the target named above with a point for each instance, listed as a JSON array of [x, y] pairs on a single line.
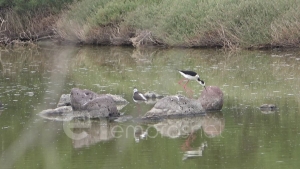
[[137, 96], [190, 75]]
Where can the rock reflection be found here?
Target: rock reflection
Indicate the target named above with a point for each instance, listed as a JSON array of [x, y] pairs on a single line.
[[212, 124], [90, 132], [175, 128]]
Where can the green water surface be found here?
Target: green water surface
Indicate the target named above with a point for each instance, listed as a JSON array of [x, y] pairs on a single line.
[[240, 136]]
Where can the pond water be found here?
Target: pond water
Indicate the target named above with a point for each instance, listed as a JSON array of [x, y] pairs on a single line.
[[239, 136]]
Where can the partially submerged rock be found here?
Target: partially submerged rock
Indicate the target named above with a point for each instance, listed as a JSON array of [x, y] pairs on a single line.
[[85, 103], [102, 106], [268, 108], [63, 113], [65, 100], [211, 98], [176, 105], [123, 118], [119, 100], [79, 98], [153, 95]]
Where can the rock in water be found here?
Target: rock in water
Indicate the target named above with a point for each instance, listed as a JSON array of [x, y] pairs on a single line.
[[81, 97], [64, 100], [268, 108], [102, 106], [211, 98], [63, 113], [97, 105], [176, 105]]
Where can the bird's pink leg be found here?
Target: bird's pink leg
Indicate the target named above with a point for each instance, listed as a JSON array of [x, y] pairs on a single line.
[[189, 92], [180, 81], [186, 89], [185, 84]]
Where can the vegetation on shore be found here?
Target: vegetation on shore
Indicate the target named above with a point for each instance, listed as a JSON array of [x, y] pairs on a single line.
[[204, 23], [30, 20]]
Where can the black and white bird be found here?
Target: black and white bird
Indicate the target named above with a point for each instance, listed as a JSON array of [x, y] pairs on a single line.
[[190, 75], [137, 96]]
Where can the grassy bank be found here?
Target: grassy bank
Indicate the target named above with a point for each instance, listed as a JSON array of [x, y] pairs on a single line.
[[28, 20], [229, 23], [189, 23]]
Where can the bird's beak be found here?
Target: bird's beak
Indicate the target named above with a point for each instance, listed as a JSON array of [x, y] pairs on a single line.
[[204, 88]]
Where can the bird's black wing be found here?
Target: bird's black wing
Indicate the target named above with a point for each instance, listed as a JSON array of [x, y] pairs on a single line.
[[192, 73]]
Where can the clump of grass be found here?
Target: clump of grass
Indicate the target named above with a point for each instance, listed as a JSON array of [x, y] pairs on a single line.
[[97, 22], [26, 27], [28, 21], [246, 23], [285, 30], [226, 23]]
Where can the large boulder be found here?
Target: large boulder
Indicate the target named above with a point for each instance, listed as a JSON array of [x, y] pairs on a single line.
[[97, 105], [211, 98], [102, 106], [176, 105], [81, 97]]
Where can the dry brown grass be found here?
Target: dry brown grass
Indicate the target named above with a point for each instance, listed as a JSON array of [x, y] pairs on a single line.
[[144, 38], [26, 27]]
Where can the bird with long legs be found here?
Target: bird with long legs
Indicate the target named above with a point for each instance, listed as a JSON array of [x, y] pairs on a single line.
[[190, 75]]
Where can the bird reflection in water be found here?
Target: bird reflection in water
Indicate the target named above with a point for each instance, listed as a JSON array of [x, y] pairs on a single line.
[[196, 152], [139, 133]]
